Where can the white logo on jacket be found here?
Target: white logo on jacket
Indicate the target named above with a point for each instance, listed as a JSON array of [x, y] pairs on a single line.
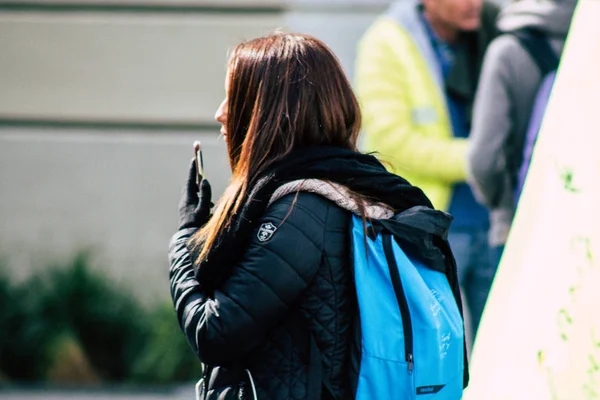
[[266, 231]]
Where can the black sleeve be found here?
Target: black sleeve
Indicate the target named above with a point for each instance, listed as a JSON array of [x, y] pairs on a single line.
[[260, 291]]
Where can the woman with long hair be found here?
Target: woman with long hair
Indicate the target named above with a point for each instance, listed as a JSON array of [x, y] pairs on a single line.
[[263, 287]]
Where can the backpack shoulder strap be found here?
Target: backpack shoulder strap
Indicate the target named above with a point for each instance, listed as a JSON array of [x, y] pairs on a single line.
[[537, 45]]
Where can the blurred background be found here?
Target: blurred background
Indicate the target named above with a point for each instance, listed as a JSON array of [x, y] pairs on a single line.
[[100, 102]]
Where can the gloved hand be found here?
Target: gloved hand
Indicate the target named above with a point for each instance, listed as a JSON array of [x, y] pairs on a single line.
[[195, 203]]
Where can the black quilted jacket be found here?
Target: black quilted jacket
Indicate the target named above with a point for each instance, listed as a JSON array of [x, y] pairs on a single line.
[[303, 265]]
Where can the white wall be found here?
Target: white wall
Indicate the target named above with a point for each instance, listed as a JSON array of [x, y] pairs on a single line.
[[115, 192], [119, 67], [81, 164]]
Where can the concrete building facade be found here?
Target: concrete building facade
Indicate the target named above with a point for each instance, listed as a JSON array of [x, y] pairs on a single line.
[[99, 104]]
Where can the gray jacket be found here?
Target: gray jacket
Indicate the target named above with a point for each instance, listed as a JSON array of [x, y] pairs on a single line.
[[507, 88]]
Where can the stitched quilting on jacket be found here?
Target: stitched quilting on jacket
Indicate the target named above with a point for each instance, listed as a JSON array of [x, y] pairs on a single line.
[[298, 259], [283, 262]]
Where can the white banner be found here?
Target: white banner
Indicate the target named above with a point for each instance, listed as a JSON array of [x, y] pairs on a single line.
[[540, 334]]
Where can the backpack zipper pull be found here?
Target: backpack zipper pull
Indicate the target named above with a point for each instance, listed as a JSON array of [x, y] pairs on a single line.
[[410, 364]]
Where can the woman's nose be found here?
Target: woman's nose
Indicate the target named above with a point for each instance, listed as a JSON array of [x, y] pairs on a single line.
[[220, 114]]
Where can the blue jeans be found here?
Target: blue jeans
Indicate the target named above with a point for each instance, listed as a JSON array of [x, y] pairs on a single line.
[[477, 266], [497, 254]]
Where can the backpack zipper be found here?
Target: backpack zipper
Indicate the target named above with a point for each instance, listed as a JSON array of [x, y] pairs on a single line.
[[401, 298]]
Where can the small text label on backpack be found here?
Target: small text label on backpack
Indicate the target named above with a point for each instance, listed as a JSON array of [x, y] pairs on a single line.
[[429, 389], [266, 231]]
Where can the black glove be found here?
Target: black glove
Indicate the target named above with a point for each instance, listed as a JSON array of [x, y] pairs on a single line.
[[195, 204]]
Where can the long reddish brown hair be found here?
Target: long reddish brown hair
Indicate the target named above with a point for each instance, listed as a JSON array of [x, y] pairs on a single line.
[[285, 91]]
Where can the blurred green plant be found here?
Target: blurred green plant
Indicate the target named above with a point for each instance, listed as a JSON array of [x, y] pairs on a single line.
[[20, 357], [70, 324], [167, 356]]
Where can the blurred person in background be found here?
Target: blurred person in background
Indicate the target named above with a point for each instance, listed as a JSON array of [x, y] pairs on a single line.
[[504, 122], [275, 254], [416, 78]]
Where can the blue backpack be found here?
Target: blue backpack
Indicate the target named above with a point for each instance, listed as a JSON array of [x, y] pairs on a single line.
[[410, 339], [536, 44], [412, 329]]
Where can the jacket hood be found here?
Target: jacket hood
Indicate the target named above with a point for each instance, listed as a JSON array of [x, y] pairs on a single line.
[[552, 17], [338, 194]]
